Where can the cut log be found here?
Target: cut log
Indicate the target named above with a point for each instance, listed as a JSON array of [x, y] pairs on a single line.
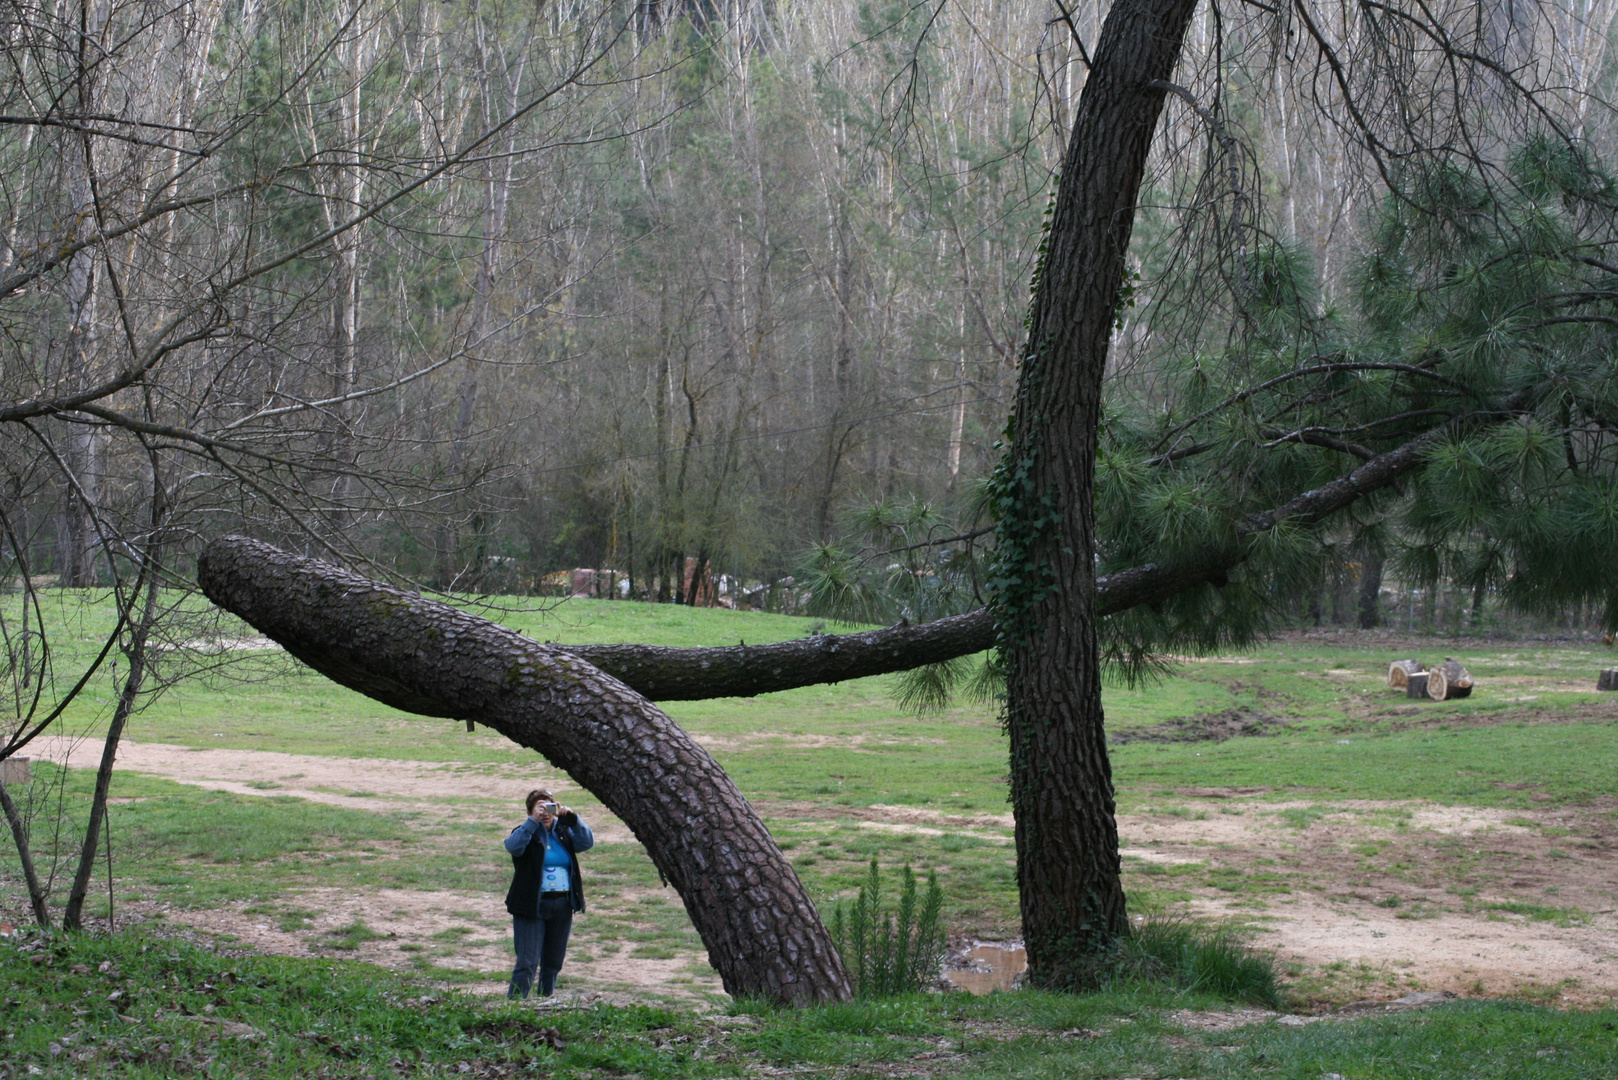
[[1448, 681], [1416, 685], [1608, 680], [754, 914], [1399, 672]]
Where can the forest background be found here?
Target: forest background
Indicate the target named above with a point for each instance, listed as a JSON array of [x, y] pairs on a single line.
[[476, 295], [735, 270]]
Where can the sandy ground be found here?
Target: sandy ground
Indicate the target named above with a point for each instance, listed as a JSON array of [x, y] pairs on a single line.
[[1366, 899], [1402, 896]]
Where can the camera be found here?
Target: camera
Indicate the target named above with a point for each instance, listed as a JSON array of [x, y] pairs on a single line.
[[548, 808]]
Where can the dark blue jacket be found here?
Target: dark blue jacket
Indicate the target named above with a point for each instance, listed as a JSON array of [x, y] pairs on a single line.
[[522, 899]]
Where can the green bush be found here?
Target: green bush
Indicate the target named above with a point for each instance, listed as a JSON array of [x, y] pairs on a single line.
[[886, 952]]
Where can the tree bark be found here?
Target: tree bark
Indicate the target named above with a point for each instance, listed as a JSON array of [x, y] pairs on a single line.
[[1371, 590], [19, 834], [762, 930], [1061, 780], [664, 673], [1448, 681]]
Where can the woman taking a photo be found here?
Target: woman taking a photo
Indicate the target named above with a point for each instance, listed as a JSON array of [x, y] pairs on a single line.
[[545, 890]]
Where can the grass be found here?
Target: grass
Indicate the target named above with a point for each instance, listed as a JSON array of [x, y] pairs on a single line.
[[815, 761], [193, 848], [138, 1006], [847, 745], [1194, 958]]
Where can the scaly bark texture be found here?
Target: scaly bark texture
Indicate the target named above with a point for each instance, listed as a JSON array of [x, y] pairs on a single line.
[[663, 673], [1061, 780], [762, 931]]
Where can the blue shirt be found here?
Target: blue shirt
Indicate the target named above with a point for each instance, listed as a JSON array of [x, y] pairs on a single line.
[[558, 864]]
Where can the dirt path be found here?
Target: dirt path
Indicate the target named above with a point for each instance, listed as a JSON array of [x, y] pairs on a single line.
[[1366, 899], [376, 784], [1384, 897]]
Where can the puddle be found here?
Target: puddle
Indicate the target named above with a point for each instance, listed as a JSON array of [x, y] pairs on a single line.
[[989, 966]]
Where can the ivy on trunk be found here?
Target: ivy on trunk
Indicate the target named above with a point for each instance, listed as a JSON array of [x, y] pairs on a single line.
[[1061, 781]]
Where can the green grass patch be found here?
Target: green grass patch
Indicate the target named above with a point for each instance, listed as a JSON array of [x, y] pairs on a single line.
[[195, 848], [350, 937], [1559, 916], [1507, 765], [141, 1006], [1194, 958], [811, 759]]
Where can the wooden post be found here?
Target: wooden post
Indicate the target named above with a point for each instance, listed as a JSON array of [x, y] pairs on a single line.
[[1608, 680], [1416, 686]]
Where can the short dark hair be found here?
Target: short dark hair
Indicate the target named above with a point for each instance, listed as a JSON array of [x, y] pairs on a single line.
[[536, 795]]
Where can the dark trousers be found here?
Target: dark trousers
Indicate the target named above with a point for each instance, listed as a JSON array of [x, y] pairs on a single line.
[[541, 944]]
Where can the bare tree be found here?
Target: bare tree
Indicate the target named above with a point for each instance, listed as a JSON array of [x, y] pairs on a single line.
[[213, 222]]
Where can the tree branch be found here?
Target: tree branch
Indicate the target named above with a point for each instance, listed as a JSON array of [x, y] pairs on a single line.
[[687, 674]]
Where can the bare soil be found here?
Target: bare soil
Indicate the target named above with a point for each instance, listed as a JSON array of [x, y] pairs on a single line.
[[1367, 900], [1205, 727], [1375, 899]]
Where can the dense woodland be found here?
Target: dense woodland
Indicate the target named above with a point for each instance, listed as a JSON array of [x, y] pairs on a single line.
[[479, 293], [709, 276]]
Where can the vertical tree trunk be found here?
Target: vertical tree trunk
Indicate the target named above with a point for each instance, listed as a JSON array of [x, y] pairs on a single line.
[[761, 928], [496, 201], [1061, 780], [135, 677], [1371, 590], [140, 630], [1480, 592], [19, 835], [77, 534]]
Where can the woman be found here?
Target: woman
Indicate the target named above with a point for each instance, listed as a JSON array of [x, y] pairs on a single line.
[[545, 891]]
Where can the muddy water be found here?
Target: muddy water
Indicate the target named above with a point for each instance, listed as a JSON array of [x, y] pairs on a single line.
[[993, 967]]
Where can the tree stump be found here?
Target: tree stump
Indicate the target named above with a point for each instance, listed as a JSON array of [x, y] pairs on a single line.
[[1608, 680], [1399, 672], [760, 925], [1448, 681], [1416, 685]]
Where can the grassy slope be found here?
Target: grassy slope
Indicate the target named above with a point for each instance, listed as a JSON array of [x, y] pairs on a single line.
[[137, 1007]]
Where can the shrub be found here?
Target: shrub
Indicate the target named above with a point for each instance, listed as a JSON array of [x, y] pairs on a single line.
[[886, 952]]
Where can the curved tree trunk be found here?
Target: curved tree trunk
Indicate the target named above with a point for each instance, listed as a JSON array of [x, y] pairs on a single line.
[[666, 673], [762, 931]]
